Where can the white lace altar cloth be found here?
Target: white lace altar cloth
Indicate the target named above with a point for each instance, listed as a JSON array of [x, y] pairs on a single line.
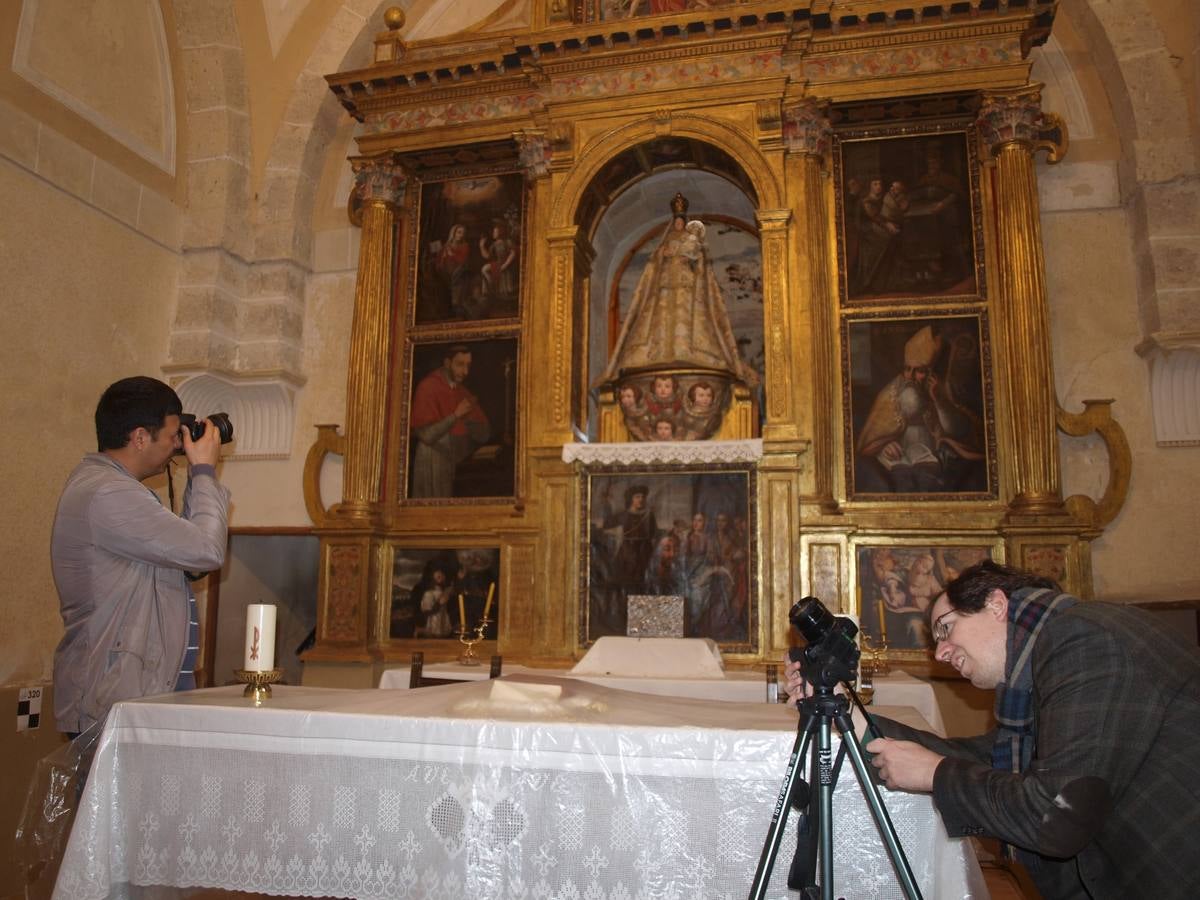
[[439, 793], [652, 452]]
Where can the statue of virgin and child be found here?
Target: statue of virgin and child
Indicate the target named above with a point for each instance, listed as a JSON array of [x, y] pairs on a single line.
[[676, 359]]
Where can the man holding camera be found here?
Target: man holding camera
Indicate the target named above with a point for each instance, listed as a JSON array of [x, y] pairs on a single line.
[[1090, 773], [120, 558]]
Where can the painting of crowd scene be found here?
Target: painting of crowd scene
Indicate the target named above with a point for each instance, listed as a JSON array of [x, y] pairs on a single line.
[[427, 585], [609, 10], [685, 534], [899, 584], [908, 218], [469, 249]]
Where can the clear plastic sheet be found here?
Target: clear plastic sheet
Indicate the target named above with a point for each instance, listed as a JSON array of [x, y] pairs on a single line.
[[527, 787], [49, 811]]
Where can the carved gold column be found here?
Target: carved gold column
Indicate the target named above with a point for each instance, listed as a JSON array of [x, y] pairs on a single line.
[[1010, 124], [806, 137], [551, 276], [379, 186], [779, 336]]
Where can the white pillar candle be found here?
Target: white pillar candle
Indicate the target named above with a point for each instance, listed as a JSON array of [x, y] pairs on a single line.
[[260, 637]]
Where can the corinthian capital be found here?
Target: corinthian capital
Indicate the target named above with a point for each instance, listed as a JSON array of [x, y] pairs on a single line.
[[1016, 117], [806, 127], [379, 178], [534, 152]]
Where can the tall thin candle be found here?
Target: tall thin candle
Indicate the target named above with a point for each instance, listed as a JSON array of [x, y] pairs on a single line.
[[487, 607], [462, 613]]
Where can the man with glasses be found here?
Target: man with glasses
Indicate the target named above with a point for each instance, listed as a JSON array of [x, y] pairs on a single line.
[[1090, 772]]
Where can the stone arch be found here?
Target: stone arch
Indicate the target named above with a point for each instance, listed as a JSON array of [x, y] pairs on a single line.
[[240, 312], [1160, 182], [1158, 153], [216, 240]]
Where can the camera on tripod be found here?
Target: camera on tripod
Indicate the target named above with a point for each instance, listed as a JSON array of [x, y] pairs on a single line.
[[831, 654]]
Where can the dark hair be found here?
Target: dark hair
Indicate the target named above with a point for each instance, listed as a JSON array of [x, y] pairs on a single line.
[[634, 490], [968, 592], [454, 349], [138, 402]]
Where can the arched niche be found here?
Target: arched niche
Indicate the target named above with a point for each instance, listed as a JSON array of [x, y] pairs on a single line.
[[624, 210]]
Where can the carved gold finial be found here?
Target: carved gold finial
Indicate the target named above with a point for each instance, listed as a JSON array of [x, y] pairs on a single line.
[[394, 18]]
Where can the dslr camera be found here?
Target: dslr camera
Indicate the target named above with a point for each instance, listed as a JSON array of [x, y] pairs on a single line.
[[831, 654], [196, 425]]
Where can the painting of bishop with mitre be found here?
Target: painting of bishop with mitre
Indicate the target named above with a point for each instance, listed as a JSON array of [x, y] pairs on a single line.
[[676, 360]]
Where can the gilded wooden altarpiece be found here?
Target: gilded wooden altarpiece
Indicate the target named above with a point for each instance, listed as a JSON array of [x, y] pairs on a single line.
[[791, 102]]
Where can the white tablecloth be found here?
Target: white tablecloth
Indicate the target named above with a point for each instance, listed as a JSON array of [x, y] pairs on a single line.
[[455, 791], [893, 689]]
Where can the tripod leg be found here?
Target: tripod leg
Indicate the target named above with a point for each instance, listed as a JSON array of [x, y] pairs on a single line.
[[825, 792], [871, 792], [766, 861]]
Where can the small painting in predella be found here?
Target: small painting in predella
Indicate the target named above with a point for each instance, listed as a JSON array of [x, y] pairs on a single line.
[[469, 263], [907, 218], [898, 586], [427, 585]]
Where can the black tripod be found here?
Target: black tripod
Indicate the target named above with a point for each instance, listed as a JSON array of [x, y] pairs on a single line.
[[816, 714]]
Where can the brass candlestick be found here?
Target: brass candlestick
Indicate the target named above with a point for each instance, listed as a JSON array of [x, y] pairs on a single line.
[[469, 637], [258, 683]]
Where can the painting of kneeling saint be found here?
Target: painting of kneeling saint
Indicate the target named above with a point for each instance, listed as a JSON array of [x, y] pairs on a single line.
[[917, 390], [461, 419], [427, 585], [898, 584], [685, 533]]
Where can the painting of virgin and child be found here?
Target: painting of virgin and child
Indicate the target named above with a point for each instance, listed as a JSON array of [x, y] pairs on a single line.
[[898, 584]]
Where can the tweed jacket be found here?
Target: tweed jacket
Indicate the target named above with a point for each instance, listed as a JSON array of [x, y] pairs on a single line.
[[1116, 697], [119, 559]]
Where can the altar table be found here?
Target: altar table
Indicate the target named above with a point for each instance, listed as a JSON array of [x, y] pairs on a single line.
[[893, 689], [522, 787]]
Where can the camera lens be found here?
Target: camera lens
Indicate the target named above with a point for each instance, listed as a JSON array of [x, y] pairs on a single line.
[[811, 619]]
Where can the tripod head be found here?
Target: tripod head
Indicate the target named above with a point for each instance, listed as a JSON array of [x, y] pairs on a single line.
[[831, 654]]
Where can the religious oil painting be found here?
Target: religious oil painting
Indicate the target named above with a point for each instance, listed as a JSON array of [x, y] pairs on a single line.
[[469, 249], [919, 395], [461, 419], [435, 590], [909, 220], [898, 584], [683, 533], [610, 10]]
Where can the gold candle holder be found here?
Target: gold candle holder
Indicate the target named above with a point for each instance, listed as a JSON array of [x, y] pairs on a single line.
[[469, 637], [258, 683]]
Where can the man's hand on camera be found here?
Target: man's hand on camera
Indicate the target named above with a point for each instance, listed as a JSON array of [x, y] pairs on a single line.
[[794, 684], [205, 451], [904, 765]]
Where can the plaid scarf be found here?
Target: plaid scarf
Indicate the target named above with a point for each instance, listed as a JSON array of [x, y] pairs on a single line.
[[1028, 611]]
